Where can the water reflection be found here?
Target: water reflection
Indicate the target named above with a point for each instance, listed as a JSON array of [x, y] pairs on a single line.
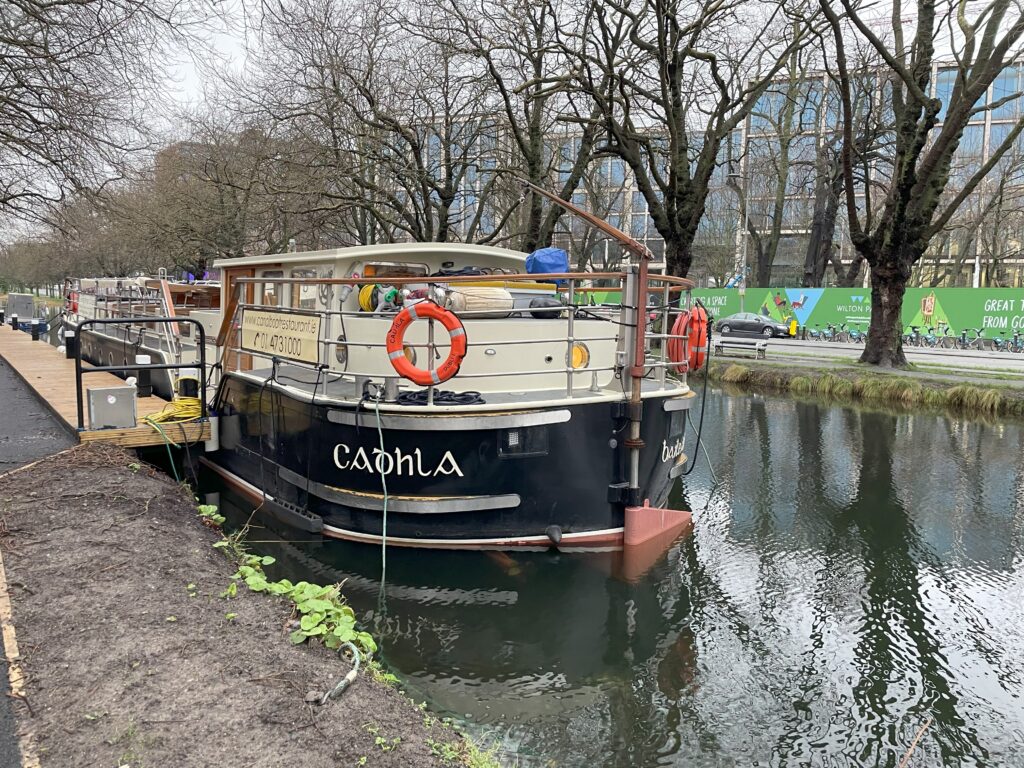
[[852, 574]]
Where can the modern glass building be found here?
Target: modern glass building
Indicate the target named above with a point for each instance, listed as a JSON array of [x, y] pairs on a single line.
[[784, 161]]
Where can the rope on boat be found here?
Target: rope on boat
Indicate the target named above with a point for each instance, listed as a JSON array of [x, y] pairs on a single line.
[[384, 489], [348, 679]]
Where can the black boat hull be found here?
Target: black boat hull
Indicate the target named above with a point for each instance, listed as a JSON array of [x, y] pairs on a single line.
[[470, 478]]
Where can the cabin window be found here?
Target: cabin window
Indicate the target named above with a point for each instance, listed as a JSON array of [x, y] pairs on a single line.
[[305, 296], [271, 292], [312, 296]]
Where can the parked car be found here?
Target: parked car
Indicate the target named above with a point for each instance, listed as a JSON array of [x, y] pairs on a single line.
[[748, 322]]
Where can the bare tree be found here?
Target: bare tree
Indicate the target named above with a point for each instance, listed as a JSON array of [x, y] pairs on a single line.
[[525, 75], [76, 77], [671, 82], [893, 234], [394, 127]]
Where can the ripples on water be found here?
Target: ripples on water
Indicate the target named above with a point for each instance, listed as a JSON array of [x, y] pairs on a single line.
[[852, 574]]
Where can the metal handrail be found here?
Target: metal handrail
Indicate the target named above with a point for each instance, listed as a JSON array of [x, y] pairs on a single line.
[[681, 282], [79, 370], [668, 285]]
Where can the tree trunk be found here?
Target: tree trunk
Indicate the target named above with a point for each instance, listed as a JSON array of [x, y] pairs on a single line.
[[849, 277], [678, 258], [823, 228], [764, 258], [884, 346]]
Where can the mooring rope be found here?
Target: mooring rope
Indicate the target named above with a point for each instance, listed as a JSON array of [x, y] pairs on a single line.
[[384, 489], [348, 679]]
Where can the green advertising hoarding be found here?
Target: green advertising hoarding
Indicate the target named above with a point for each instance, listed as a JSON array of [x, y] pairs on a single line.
[[996, 310]]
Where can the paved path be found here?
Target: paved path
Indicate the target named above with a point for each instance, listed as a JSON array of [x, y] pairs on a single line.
[[27, 432]]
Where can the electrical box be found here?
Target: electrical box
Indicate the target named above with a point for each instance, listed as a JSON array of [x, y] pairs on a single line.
[[111, 407]]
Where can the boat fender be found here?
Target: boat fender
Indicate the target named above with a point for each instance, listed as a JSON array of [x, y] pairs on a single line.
[[396, 348], [552, 308]]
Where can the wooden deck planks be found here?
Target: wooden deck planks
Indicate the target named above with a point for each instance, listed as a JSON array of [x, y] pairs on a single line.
[[52, 377]]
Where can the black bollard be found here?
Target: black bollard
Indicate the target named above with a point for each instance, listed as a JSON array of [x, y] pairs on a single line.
[[3, 314], [14, 322], [144, 379], [70, 344], [34, 329]]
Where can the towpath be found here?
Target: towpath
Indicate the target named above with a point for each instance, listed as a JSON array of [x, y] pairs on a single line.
[[27, 432]]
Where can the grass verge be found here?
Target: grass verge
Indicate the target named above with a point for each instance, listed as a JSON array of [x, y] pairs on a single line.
[[874, 388]]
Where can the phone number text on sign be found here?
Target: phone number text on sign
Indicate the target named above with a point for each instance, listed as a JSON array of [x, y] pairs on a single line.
[[282, 334]]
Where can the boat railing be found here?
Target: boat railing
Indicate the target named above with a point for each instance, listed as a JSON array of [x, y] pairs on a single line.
[[144, 310], [572, 288], [200, 362]]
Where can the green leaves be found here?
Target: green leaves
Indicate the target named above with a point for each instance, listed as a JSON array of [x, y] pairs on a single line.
[[210, 516], [321, 610]]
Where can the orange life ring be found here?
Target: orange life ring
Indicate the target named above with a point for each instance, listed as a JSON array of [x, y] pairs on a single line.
[[396, 349], [689, 356], [73, 302], [674, 345]]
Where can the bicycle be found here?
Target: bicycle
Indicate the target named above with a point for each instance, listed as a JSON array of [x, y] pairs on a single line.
[[843, 334], [857, 336], [1016, 344], [948, 338], [999, 344], [913, 338], [978, 342], [930, 339], [814, 333]]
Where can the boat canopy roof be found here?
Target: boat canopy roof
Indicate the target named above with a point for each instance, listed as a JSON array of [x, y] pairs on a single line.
[[432, 254]]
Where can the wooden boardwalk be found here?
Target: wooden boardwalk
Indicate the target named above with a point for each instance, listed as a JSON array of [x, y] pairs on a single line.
[[52, 377]]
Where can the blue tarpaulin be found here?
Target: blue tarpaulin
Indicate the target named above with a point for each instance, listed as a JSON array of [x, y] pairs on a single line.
[[547, 261]]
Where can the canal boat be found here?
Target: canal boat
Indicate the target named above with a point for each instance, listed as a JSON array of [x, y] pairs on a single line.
[[450, 395], [138, 302]]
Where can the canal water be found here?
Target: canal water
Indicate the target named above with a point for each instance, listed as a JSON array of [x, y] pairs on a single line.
[[851, 576]]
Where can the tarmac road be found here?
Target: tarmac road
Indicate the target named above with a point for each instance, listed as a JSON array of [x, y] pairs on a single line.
[[27, 432]]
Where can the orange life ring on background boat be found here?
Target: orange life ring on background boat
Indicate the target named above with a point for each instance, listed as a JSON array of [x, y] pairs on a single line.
[[689, 356], [73, 302], [396, 348]]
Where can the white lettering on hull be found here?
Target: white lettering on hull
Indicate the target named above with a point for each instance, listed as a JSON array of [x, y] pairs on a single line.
[[396, 462], [672, 451]]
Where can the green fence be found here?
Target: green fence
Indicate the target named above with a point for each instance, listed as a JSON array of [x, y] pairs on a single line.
[[997, 310]]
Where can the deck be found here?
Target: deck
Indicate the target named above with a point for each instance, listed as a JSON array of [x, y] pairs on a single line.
[[52, 377]]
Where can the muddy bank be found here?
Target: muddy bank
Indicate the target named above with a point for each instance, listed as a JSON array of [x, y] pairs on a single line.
[[132, 658]]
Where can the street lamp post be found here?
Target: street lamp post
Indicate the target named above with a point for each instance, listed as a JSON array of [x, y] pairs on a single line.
[[742, 234]]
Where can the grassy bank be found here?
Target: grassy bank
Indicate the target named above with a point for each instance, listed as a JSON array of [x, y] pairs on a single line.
[[855, 385]]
